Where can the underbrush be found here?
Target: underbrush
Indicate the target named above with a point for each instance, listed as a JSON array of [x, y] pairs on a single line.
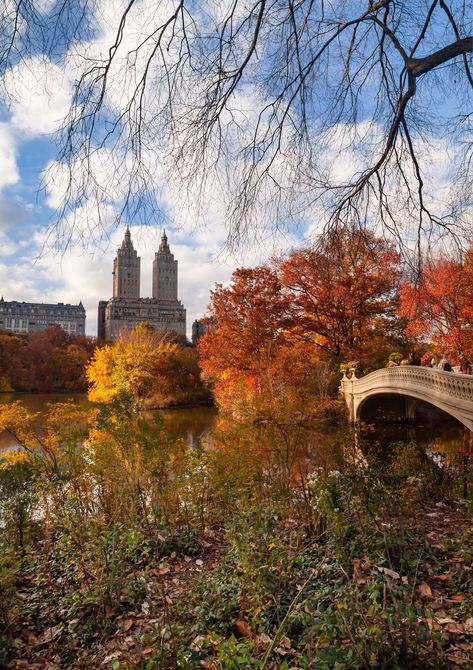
[[353, 596], [130, 551]]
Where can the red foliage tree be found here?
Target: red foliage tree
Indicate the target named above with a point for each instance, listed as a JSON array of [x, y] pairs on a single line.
[[439, 308], [50, 360], [343, 291]]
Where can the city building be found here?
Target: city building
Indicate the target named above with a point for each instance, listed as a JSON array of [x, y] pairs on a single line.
[[126, 309], [199, 328], [32, 317]]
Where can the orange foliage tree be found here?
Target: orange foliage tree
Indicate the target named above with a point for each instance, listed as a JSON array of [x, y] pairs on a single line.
[[343, 292], [247, 323], [439, 308], [51, 360], [278, 333], [260, 367]]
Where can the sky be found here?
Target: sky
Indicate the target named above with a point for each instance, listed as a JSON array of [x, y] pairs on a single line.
[[32, 270], [32, 183]]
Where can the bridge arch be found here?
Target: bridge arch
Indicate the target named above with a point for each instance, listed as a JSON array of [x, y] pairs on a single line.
[[450, 392]]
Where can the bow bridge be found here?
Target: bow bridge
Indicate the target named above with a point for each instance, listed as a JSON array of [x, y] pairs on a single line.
[[449, 391]]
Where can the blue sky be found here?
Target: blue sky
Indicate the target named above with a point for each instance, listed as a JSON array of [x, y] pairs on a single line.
[[33, 269], [32, 273]]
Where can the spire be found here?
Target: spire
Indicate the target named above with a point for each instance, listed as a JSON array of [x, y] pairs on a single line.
[[164, 246], [127, 243]]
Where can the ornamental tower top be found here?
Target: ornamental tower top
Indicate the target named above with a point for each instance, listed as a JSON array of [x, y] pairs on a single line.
[[126, 270], [164, 272]]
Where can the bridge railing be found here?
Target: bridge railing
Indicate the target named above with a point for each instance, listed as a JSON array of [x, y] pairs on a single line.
[[453, 384]]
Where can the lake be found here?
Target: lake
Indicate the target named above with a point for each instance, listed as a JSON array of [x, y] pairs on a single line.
[[194, 425], [191, 424]]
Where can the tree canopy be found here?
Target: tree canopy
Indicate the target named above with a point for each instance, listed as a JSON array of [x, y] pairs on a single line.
[[282, 111]]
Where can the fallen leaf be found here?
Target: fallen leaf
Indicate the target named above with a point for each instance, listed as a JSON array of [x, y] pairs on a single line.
[[425, 590], [147, 650], [444, 620], [208, 665], [28, 635], [111, 657], [455, 628], [469, 626], [263, 639], [199, 562], [109, 611], [126, 625], [388, 572], [244, 629], [458, 660], [280, 651], [443, 578], [458, 597], [164, 569], [50, 634]]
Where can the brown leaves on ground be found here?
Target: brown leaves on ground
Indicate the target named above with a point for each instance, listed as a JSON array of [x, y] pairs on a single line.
[[134, 630], [442, 526]]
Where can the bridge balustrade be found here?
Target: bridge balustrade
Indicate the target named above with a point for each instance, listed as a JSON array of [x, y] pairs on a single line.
[[449, 391]]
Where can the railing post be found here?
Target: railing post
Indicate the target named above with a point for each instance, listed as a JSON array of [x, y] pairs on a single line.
[[346, 387]]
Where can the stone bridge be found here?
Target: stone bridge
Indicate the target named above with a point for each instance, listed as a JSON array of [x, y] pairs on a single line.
[[449, 391]]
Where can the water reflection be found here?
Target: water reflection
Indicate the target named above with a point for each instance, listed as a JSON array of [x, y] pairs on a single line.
[[444, 442], [194, 425]]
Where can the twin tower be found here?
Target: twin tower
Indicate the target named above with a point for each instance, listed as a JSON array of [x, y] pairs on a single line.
[[125, 310]]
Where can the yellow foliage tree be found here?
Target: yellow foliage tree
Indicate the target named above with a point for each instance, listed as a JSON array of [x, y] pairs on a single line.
[[129, 366]]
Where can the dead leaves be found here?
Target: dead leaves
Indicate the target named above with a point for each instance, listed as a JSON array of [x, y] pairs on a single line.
[[244, 629], [425, 590], [387, 571], [127, 624]]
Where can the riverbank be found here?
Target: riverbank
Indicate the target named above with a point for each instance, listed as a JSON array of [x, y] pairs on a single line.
[[354, 613]]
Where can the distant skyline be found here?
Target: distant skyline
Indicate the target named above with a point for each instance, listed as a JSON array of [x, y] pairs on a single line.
[[31, 271]]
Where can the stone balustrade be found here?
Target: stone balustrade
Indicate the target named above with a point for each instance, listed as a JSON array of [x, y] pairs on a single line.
[[449, 391]]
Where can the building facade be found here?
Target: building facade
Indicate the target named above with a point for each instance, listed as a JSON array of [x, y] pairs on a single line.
[[199, 328], [32, 317], [126, 309]]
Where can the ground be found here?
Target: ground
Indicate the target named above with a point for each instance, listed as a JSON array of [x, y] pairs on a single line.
[[441, 590]]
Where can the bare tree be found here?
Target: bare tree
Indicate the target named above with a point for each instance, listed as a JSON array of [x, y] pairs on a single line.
[[294, 109]]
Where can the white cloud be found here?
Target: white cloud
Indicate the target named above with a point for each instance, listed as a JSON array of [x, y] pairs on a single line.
[[8, 167], [40, 94]]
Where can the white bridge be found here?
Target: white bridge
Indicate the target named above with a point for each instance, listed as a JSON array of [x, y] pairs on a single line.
[[449, 391]]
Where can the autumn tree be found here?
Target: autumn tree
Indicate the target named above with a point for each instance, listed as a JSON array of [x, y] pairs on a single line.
[[439, 307], [246, 325], [147, 368], [259, 367], [50, 360], [343, 291]]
